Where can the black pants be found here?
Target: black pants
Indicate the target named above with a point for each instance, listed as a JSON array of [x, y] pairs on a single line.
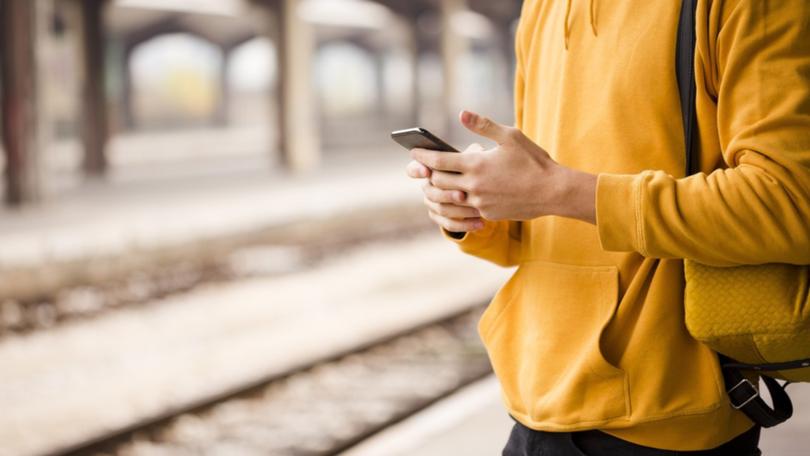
[[528, 442]]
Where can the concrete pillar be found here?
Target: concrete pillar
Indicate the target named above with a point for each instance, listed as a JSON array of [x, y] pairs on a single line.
[[452, 46], [298, 127], [19, 101], [95, 129]]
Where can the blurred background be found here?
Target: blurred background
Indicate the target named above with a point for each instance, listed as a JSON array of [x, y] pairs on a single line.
[[208, 244]]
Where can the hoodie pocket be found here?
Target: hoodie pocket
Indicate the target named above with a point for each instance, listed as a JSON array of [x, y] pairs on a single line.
[[543, 334]]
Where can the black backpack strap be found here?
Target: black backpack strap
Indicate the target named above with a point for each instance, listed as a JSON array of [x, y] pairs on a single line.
[[742, 393], [769, 367], [744, 396], [685, 72]]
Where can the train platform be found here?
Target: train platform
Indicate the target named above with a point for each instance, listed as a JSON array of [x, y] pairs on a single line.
[[473, 422], [97, 230], [102, 218]]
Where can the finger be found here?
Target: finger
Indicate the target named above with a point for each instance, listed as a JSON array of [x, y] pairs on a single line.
[[457, 225], [448, 181], [452, 210], [438, 195], [444, 161], [485, 127], [417, 170]]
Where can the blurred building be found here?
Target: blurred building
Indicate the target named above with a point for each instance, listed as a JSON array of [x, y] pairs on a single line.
[[92, 88]]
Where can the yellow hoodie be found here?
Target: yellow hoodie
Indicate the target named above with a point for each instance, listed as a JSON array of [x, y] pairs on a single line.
[[589, 332]]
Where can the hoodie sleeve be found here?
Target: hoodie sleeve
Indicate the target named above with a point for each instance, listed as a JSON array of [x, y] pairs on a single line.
[[497, 242], [756, 209]]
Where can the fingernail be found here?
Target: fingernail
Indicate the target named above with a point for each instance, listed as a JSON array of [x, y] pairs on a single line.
[[465, 116], [459, 196]]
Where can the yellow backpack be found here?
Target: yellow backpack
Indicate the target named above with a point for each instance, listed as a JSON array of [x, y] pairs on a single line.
[[756, 317]]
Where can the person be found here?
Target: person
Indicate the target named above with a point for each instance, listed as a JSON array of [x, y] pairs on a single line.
[[586, 195]]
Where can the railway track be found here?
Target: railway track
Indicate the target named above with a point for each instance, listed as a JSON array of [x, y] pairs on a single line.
[[105, 285], [322, 408]]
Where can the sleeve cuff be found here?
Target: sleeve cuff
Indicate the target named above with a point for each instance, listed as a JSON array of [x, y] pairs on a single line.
[[472, 239], [618, 212]]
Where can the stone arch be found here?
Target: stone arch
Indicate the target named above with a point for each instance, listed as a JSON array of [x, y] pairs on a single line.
[[346, 78], [174, 80], [251, 77]]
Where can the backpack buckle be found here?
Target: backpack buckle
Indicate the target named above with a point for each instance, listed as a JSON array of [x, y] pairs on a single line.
[[746, 398]]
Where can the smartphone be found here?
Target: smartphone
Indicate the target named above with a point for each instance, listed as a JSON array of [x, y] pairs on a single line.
[[413, 138]]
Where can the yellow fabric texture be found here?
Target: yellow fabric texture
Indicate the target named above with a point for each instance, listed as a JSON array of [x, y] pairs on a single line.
[[589, 332], [753, 314]]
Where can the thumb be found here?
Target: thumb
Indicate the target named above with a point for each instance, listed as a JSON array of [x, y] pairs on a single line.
[[485, 127]]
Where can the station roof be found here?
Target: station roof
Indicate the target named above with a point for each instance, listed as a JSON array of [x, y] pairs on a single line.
[[214, 7], [219, 21]]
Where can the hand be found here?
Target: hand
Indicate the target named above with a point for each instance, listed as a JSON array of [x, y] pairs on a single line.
[[516, 180], [446, 207]]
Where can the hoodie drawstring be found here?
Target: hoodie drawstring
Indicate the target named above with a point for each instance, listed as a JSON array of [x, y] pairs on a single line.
[[567, 26], [566, 29]]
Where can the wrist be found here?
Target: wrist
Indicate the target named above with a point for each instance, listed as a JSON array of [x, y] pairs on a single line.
[[576, 196]]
